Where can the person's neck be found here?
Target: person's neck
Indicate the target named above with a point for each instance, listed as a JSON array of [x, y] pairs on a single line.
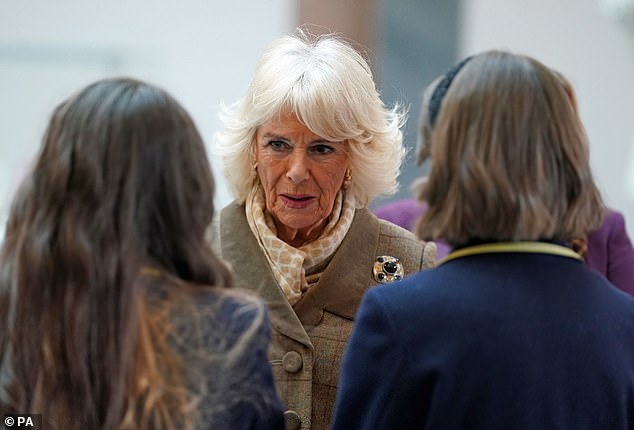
[[296, 237]]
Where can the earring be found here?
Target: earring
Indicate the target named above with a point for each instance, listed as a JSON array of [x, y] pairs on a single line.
[[255, 166], [347, 179]]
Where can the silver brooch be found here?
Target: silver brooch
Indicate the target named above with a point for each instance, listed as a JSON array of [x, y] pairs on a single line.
[[387, 269]]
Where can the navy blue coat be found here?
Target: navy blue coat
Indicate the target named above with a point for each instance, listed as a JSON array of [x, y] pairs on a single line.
[[224, 343], [492, 341]]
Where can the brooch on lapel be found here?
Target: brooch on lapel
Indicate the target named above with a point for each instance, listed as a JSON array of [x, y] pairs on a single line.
[[387, 269]]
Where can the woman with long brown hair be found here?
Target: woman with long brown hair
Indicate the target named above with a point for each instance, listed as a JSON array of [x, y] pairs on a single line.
[[113, 311]]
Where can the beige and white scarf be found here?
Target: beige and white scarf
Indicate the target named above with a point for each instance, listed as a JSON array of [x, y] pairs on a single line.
[[289, 264]]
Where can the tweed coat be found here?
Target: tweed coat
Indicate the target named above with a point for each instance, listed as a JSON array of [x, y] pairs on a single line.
[[309, 338]]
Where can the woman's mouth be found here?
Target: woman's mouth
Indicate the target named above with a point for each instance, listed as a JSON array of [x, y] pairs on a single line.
[[297, 201]]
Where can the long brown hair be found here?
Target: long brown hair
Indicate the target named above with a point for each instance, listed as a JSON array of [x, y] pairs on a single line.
[[121, 189], [509, 157]]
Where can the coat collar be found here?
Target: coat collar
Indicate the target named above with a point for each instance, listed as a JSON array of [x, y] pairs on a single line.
[[340, 288], [520, 246]]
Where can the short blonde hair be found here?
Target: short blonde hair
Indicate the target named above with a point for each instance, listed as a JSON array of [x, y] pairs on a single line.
[[509, 157], [329, 86]]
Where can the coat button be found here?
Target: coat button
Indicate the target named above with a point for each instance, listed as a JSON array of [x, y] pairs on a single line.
[[292, 362], [293, 422]]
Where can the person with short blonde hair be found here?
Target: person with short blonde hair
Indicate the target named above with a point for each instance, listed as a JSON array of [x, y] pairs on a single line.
[[305, 150], [327, 84]]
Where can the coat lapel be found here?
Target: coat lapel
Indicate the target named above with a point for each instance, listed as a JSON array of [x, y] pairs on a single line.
[[347, 277], [252, 271]]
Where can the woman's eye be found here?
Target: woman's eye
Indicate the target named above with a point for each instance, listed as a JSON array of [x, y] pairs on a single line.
[[322, 149], [277, 144]]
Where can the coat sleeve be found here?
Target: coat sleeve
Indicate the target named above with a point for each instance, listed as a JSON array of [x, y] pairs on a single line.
[[372, 379], [247, 386]]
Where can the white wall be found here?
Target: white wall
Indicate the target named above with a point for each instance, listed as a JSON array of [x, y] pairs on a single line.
[[201, 51], [595, 52], [204, 51]]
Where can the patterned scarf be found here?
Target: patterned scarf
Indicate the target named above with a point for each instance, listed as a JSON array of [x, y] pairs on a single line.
[[290, 264]]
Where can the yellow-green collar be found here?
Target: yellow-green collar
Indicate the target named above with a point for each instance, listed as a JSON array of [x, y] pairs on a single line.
[[530, 247], [151, 271]]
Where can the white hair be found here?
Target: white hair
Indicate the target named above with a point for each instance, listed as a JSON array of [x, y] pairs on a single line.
[[329, 86]]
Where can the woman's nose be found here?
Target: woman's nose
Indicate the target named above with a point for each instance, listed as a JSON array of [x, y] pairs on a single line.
[[297, 168]]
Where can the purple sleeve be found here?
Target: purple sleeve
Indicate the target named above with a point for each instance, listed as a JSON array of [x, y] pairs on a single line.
[[611, 253], [620, 256]]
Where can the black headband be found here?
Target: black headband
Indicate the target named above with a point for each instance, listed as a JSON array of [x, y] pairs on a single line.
[[441, 89]]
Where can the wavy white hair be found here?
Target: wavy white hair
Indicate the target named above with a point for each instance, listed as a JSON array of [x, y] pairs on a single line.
[[329, 86]]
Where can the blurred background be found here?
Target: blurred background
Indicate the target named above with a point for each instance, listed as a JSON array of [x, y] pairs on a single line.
[[204, 52]]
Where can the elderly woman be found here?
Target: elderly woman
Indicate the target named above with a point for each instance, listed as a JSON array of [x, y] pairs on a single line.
[[305, 151], [511, 330]]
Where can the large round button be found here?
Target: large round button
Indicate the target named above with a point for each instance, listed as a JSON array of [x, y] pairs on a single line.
[[293, 422], [292, 361]]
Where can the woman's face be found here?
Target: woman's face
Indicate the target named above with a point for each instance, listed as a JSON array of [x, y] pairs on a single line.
[[301, 174]]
